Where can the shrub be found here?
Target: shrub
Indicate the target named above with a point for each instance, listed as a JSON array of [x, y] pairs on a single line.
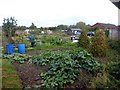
[[114, 70], [84, 40], [115, 45], [112, 56], [99, 45]]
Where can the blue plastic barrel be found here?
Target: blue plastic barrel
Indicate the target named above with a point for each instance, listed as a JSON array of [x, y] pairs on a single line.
[[9, 49], [21, 48]]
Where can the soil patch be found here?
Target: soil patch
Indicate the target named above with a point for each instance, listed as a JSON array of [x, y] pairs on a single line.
[[29, 74]]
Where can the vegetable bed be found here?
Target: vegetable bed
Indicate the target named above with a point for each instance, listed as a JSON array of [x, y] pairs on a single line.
[[55, 69]]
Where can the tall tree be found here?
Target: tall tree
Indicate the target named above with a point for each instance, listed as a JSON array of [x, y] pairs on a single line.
[[72, 26], [62, 27], [84, 41], [21, 27], [81, 25], [32, 26], [99, 44], [9, 26]]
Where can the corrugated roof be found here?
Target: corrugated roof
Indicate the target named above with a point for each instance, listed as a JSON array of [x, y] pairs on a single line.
[[75, 29]]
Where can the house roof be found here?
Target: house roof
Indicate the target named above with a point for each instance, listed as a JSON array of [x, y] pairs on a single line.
[[116, 3], [105, 26], [75, 29]]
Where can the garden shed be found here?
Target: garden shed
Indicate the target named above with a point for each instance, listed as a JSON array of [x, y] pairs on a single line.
[[74, 31]]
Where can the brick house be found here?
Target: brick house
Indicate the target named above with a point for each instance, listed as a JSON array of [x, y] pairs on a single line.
[[113, 29]]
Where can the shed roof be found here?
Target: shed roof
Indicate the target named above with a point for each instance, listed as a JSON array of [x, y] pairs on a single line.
[[116, 3], [74, 29]]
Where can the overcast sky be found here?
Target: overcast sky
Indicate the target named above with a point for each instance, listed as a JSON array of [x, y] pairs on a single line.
[[56, 12]]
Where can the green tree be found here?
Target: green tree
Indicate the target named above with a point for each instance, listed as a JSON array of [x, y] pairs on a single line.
[[72, 26], [81, 25], [21, 27], [62, 27], [32, 26], [9, 27], [88, 27], [84, 40], [52, 28], [99, 45]]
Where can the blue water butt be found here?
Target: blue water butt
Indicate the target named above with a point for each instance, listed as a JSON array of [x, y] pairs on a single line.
[[21, 48], [9, 49]]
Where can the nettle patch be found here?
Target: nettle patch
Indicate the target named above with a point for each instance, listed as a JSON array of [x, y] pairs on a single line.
[[64, 67]]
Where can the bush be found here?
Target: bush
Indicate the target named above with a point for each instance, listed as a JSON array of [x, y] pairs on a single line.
[[112, 56], [114, 70], [84, 40], [115, 45], [99, 45]]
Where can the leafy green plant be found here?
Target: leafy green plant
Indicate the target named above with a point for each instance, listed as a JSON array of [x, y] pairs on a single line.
[[86, 60], [20, 58], [64, 67], [61, 71], [43, 59]]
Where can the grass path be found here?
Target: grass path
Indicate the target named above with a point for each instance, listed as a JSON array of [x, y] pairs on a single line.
[[10, 77]]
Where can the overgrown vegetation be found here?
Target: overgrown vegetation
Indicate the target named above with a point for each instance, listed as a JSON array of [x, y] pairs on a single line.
[[20, 58], [9, 27], [53, 40], [64, 67], [114, 70], [67, 66], [84, 41], [114, 44], [99, 44]]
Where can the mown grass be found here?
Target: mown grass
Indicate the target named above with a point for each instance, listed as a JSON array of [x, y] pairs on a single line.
[[10, 78]]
